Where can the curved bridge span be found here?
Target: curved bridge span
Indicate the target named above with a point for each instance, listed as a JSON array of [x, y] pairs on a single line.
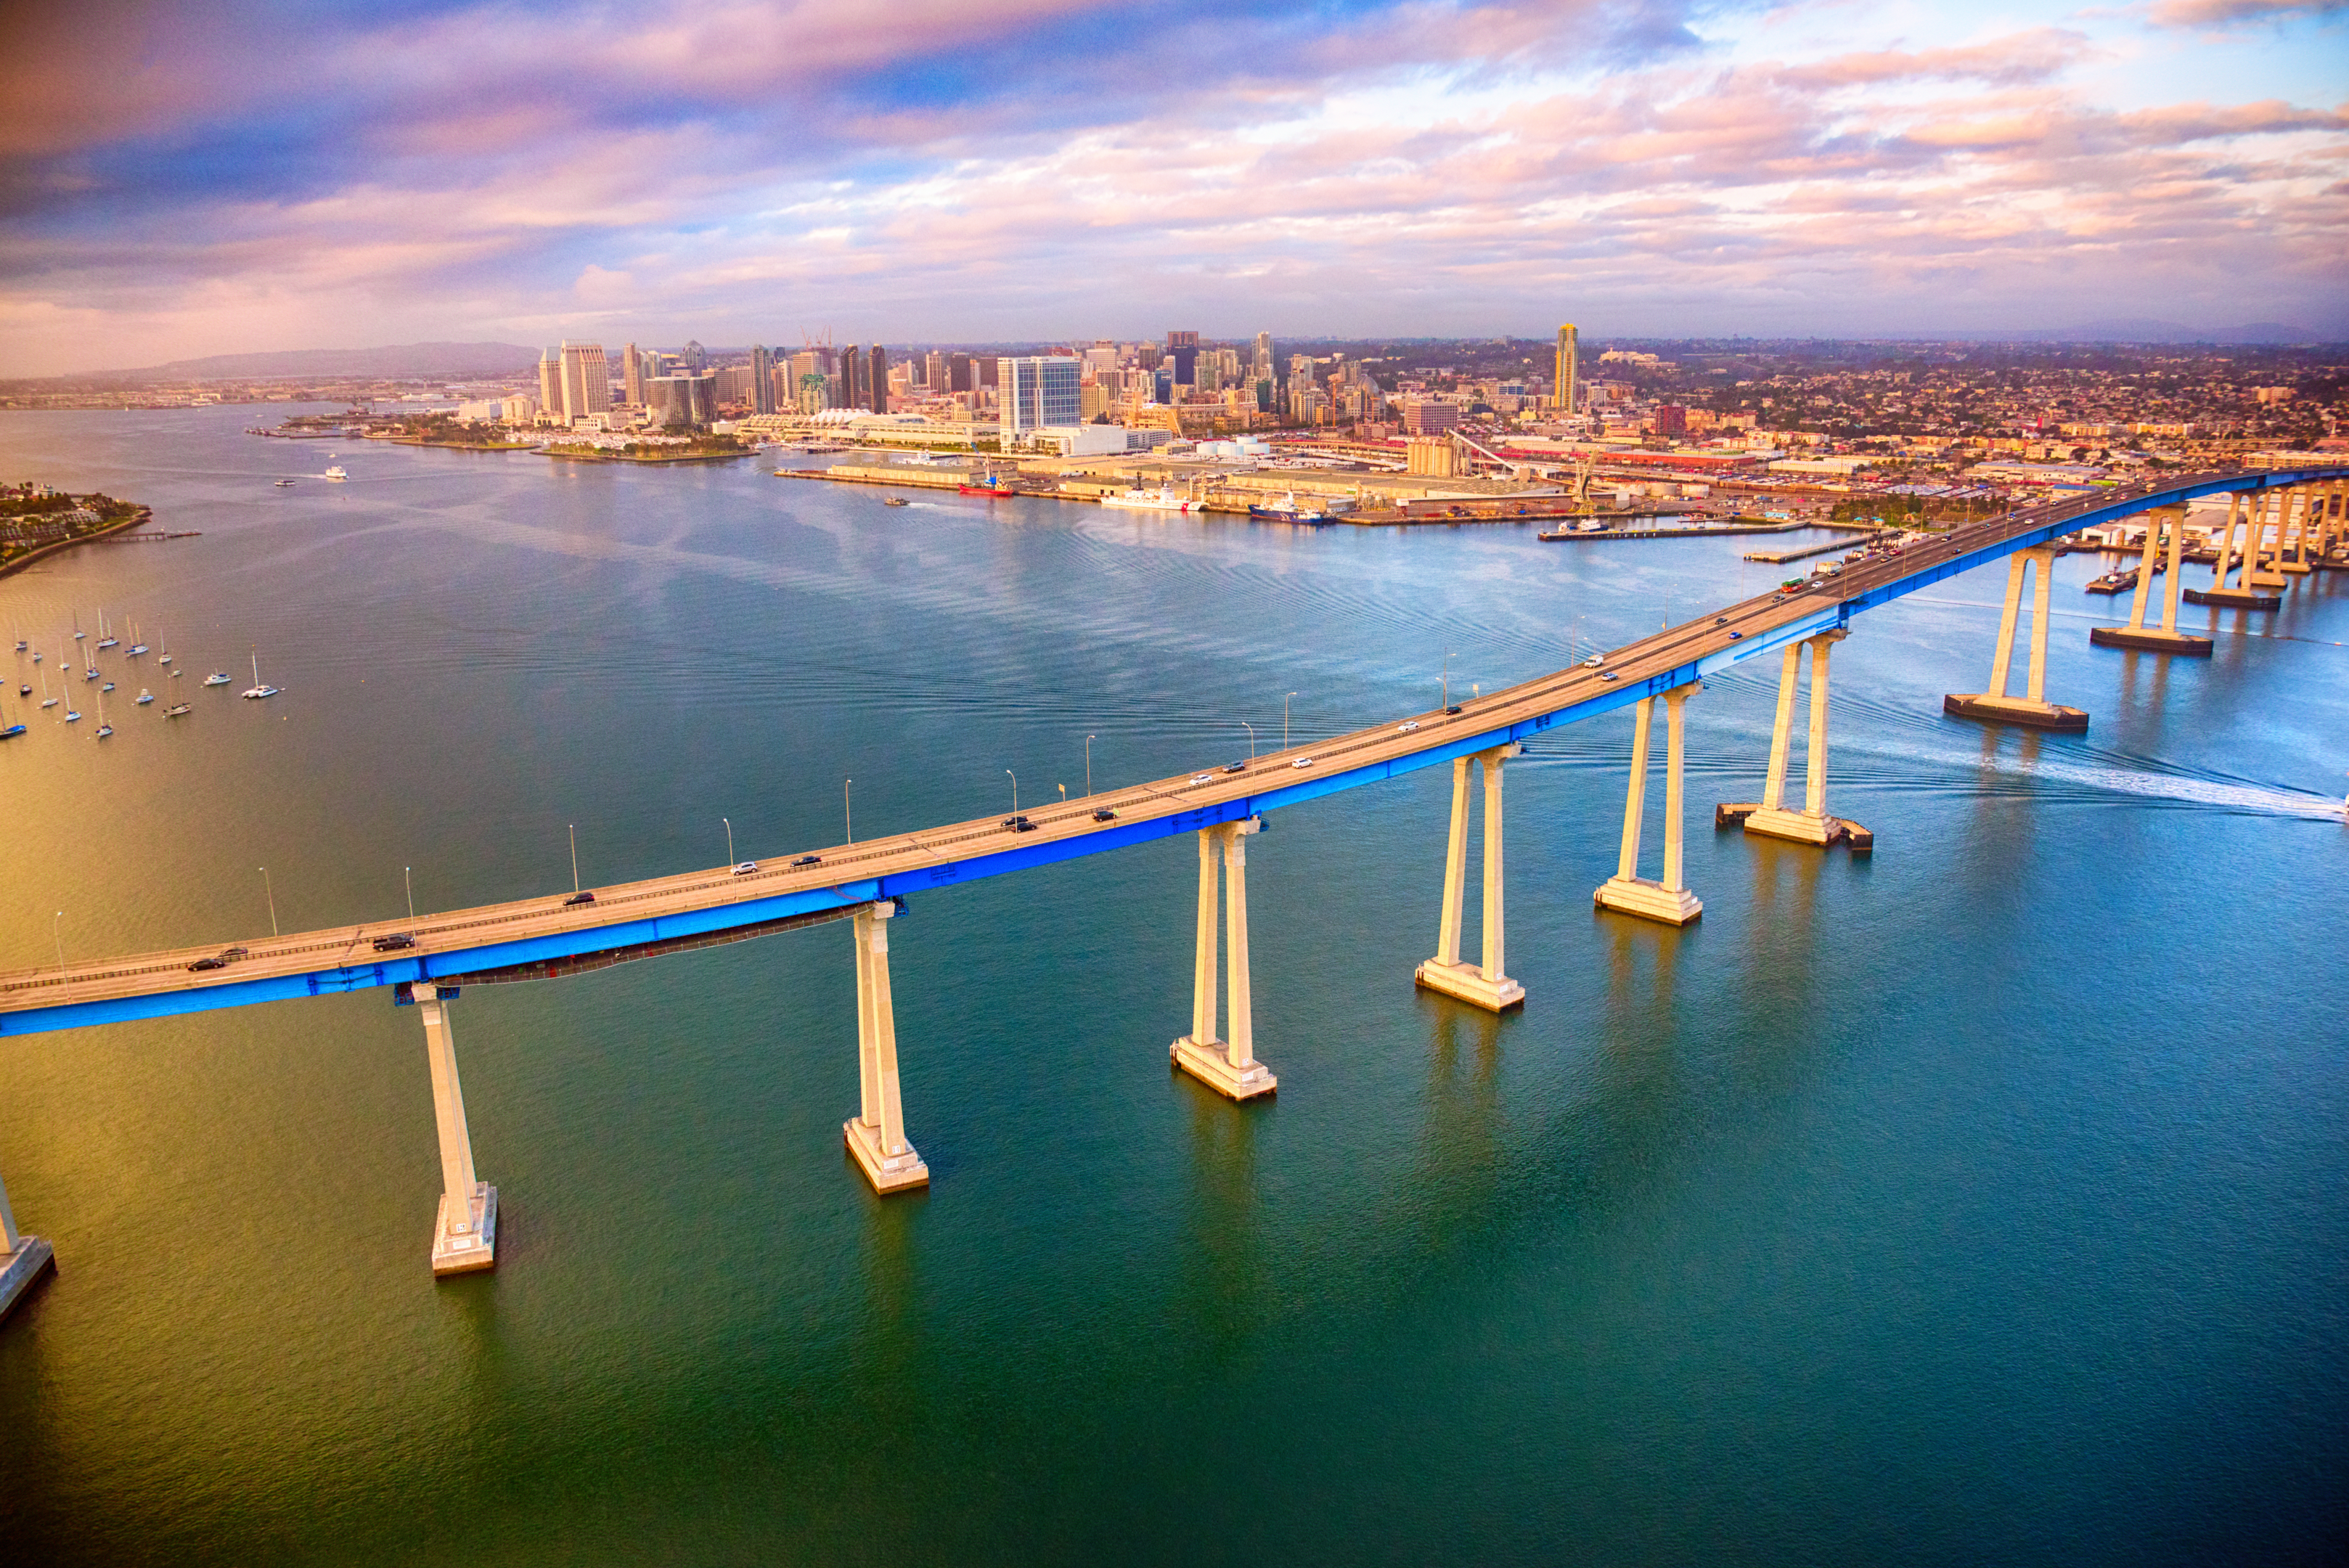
[[536, 937]]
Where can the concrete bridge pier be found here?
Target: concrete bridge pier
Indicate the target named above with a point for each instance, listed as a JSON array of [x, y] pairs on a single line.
[[878, 1136], [2291, 542], [2243, 596], [1994, 706], [1769, 817], [2166, 639], [1227, 1066], [23, 1259], [465, 1229], [2262, 563], [1481, 985], [1627, 891]]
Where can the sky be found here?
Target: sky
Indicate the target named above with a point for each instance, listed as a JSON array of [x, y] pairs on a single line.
[[179, 179]]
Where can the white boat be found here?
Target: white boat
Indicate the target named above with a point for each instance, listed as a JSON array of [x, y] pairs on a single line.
[[137, 647], [177, 711], [72, 717], [217, 677], [257, 689], [104, 728], [107, 687], [336, 472], [285, 484], [47, 700], [105, 638], [145, 697], [1159, 500]]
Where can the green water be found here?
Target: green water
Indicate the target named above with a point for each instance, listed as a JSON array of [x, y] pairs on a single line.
[[1981, 1203]]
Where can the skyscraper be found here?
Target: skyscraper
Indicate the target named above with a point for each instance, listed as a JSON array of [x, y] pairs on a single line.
[[1261, 370], [934, 373], [762, 379], [586, 380], [1035, 392], [855, 392], [695, 357], [550, 382], [632, 372], [876, 374], [1569, 355], [1183, 348]]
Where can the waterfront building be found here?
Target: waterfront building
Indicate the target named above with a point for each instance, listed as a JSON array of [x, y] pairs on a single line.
[[586, 380], [631, 376], [550, 378], [762, 379], [1569, 366], [1037, 390], [876, 379], [686, 402]]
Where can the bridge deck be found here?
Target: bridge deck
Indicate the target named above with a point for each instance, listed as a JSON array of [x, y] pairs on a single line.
[[664, 909]]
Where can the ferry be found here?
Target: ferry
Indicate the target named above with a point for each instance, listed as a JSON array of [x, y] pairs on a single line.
[[1159, 500], [336, 472]]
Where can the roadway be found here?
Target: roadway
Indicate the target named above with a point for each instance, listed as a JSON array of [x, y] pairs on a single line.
[[696, 907]]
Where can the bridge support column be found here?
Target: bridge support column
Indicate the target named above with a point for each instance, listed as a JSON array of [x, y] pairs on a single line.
[[1994, 706], [2243, 596], [877, 1137], [2263, 562], [23, 1259], [465, 1229], [2166, 639], [2300, 503], [1482, 986], [1627, 891], [1227, 1066], [1770, 819]]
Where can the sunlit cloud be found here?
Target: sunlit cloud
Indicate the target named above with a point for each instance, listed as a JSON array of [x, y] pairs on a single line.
[[1040, 168]]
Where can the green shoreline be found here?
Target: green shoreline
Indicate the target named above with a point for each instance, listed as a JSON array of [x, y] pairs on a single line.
[[143, 514], [623, 457]]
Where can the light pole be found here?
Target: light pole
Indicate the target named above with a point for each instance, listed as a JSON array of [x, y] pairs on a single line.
[[1284, 721], [574, 860], [848, 809], [407, 877], [57, 930], [272, 893], [1089, 765], [730, 840], [1015, 790], [1064, 794], [1251, 729]]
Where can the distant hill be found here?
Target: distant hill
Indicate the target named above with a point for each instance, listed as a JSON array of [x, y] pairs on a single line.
[[2164, 332], [404, 359]]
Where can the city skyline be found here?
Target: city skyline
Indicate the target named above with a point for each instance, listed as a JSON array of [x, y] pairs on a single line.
[[187, 183]]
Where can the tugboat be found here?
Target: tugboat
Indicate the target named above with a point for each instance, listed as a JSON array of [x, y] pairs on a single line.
[[1286, 510]]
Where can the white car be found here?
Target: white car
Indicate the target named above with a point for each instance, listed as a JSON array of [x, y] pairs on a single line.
[[1203, 778], [1594, 661], [1405, 729], [746, 867], [1302, 763]]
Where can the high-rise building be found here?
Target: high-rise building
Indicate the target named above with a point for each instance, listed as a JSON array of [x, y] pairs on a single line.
[[682, 401], [1261, 367], [854, 390], [586, 381], [550, 380], [1569, 356], [934, 373], [1035, 392], [1183, 348], [695, 357], [632, 372], [762, 379], [877, 381], [958, 374]]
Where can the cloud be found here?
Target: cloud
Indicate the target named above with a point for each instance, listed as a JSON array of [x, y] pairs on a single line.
[[995, 169], [2208, 13]]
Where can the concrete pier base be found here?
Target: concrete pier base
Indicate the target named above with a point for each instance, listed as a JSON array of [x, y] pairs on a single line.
[[1992, 710], [2234, 598], [1648, 900], [1467, 981], [1794, 826], [475, 1247], [886, 1172], [2149, 640], [19, 1269], [1211, 1063]]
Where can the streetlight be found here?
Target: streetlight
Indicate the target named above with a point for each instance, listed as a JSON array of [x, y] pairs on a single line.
[[1015, 790], [272, 892], [574, 862], [408, 875], [1284, 721], [1089, 765], [1447, 677], [730, 840], [847, 809], [1064, 794], [1251, 729], [57, 930]]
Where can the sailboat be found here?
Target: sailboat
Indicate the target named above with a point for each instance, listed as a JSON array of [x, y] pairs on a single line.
[[104, 728], [145, 696], [257, 689], [47, 700], [105, 638], [137, 647], [167, 654], [78, 633], [177, 711]]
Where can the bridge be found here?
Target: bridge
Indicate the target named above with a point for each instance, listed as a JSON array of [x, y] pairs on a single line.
[[2281, 526]]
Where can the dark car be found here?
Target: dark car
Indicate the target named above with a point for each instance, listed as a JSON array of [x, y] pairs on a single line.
[[808, 860], [578, 898], [1453, 709], [1237, 767], [1019, 823], [1736, 635], [205, 963], [1103, 814], [397, 941]]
